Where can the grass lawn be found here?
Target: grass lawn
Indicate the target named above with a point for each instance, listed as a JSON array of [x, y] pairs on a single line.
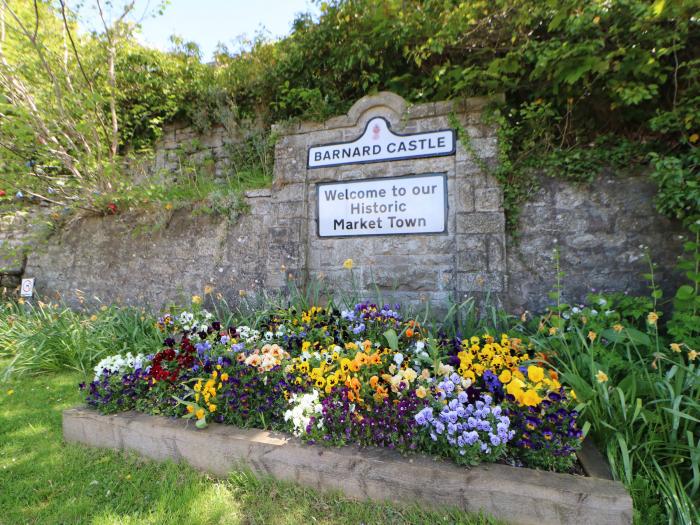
[[43, 480]]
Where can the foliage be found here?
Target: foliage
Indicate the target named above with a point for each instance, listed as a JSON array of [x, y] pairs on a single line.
[[678, 188], [59, 130], [47, 337], [587, 85], [684, 324], [638, 383]]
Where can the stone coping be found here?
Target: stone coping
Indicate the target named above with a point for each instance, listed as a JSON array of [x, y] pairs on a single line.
[[516, 495]]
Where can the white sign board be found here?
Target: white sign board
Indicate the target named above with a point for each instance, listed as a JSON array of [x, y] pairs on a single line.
[[378, 143], [27, 288], [397, 205]]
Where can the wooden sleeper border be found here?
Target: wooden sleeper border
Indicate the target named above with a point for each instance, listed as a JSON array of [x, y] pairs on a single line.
[[515, 495]]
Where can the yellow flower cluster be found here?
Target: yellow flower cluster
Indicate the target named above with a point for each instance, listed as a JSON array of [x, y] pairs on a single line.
[[337, 366], [206, 391], [503, 359], [529, 390], [475, 357], [311, 314]]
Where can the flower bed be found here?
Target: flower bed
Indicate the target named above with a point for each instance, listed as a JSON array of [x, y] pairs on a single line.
[[362, 376]]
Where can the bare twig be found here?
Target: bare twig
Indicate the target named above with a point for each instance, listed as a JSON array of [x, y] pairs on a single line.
[[66, 25], [112, 49]]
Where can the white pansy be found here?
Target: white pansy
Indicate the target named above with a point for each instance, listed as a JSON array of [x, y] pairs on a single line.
[[118, 364], [304, 406]]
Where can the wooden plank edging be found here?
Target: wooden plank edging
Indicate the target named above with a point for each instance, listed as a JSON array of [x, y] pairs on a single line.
[[516, 495]]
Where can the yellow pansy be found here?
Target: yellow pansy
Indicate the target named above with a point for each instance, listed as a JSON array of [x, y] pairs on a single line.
[[531, 398], [505, 377], [535, 373]]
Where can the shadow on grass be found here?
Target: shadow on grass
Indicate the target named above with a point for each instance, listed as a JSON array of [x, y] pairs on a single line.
[[46, 481]]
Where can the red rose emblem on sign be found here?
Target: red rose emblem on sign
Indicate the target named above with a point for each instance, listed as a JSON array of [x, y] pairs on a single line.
[[376, 130]]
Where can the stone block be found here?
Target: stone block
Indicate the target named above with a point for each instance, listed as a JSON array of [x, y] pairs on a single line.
[[480, 281], [481, 222], [525, 496], [432, 124], [496, 253], [383, 99], [420, 111], [569, 198], [290, 193], [445, 107], [488, 199], [401, 277], [256, 194], [485, 148]]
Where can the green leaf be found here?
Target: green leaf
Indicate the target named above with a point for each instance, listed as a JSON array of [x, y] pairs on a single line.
[[612, 335], [685, 292], [392, 339], [638, 337], [658, 7]]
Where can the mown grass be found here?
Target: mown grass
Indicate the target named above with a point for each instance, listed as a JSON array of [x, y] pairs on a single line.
[[45, 481]]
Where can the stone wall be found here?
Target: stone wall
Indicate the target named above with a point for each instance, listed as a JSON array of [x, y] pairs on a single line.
[[122, 259], [601, 231], [18, 231], [598, 229], [182, 144]]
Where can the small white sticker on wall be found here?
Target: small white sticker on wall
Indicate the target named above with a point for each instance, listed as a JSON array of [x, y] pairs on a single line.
[[27, 288]]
